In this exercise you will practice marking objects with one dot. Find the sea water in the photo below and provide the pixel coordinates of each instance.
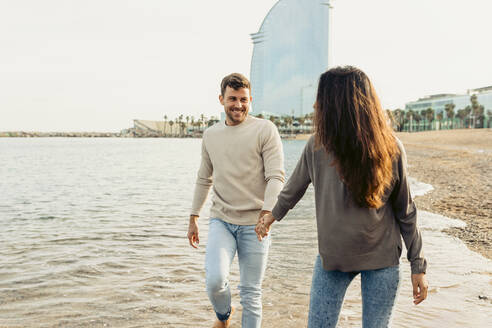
(93, 234)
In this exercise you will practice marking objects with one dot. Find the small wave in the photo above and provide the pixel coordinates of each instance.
(432, 221)
(48, 217)
(85, 271)
(418, 188)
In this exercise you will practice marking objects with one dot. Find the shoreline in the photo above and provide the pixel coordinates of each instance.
(457, 164)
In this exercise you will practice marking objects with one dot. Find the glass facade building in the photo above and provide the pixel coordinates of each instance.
(438, 102)
(291, 50)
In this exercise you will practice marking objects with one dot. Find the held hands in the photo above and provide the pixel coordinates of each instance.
(420, 287)
(193, 231)
(263, 225)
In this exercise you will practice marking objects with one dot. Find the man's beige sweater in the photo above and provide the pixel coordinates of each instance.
(244, 165)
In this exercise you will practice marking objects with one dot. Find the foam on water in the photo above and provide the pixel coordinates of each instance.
(418, 188)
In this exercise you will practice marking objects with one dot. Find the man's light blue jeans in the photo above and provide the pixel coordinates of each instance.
(224, 240)
(379, 290)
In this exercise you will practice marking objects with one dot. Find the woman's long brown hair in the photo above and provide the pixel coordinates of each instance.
(350, 124)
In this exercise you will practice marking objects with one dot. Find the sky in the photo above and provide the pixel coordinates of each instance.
(95, 65)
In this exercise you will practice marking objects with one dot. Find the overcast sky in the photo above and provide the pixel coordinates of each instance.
(95, 65)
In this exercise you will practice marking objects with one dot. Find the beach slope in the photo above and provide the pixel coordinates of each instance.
(458, 164)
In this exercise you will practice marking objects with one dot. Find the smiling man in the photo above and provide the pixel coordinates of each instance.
(242, 159)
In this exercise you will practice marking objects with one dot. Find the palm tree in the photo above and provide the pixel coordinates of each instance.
(176, 120)
(288, 122)
(301, 122)
(428, 114)
(463, 113)
(417, 117)
(390, 119)
(165, 120)
(399, 117)
(410, 117)
(187, 121)
(477, 110)
(309, 120)
(202, 120)
(171, 123)
(449, 108)
(180, 120)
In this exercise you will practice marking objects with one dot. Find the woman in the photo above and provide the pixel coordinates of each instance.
(363, 202)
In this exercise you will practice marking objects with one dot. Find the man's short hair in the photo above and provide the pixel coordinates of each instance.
(235, 81)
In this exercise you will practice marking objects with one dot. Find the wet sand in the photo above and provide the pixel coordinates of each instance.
(458, 164)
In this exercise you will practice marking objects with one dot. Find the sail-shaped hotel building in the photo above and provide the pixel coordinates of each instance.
(291, 50)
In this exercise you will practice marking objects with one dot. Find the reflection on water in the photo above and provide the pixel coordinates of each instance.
(93, 234)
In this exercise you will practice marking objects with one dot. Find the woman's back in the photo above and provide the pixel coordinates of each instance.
(352, 237)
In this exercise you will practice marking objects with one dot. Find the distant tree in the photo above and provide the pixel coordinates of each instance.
(288, 122)
(449, 108)
(417, 117)
(177, 121)
(301, 122)
(165, 120)
(212, 121)
(410, 117)
(389, 118)
(309, 120)
(477, 110)
(428, 114)
(399, 117)
(463, 113)
(171, 123)
(202, 120)
(260, 115)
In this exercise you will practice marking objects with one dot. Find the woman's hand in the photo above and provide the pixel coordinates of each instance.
(420, 287)
(263, 226)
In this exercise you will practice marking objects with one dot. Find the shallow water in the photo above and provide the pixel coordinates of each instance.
(93, 234)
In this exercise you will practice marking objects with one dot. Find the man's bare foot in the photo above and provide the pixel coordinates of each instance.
(224, 324)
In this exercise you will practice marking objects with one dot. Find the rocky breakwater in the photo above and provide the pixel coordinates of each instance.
(22, 134)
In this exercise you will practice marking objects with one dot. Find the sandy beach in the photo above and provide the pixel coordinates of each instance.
(457, 163)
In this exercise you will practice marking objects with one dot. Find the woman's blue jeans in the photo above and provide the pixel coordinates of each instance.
(224, 240)
(379, 290)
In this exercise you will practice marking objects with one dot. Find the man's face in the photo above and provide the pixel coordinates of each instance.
(236, 104)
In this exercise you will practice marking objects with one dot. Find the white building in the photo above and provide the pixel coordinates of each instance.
(439, 101)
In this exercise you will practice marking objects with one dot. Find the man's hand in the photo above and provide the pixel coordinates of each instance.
(263, 226)
(420, 286)
(193, 231)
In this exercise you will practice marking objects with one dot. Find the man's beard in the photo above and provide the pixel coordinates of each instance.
(230, 115)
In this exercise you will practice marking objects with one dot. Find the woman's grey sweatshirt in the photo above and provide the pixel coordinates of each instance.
(353, 238)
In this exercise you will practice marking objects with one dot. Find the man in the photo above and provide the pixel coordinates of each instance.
(242, 159)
